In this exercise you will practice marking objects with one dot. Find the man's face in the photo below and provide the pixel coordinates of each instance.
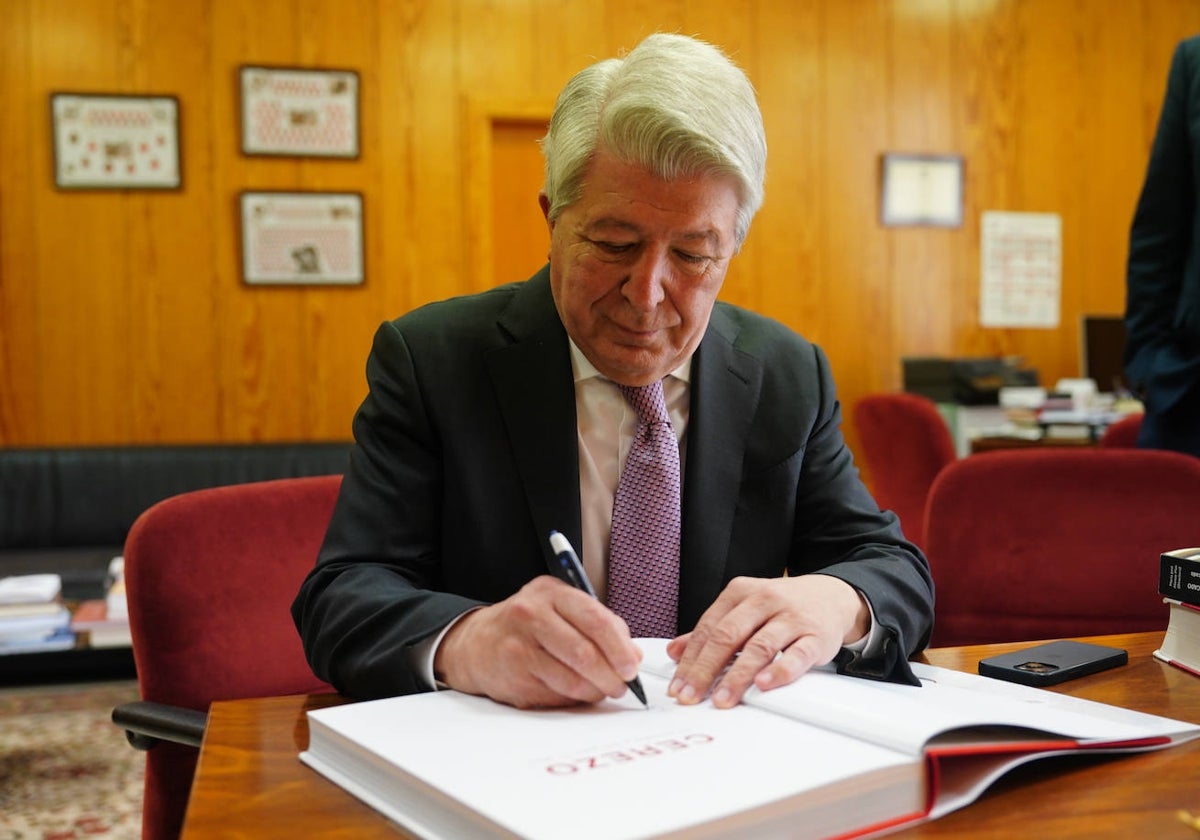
(636, 264)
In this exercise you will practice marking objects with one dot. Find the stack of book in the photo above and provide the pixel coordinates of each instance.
(1179, 584)
(104, 622)
(33, 617)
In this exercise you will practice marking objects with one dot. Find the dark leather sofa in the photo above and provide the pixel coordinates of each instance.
(68, 510)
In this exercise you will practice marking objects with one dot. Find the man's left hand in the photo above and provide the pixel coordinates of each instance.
(778, 628)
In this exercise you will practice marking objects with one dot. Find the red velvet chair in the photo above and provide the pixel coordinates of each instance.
(1123, 433)
(905, 443)
(210, 576)
(1055, 542)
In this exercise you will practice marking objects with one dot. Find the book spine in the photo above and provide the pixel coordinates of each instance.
(1179, 575)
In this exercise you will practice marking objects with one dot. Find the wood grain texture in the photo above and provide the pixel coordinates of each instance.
(123, 317)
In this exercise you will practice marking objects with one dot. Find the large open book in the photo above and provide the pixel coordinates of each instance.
(826, 756)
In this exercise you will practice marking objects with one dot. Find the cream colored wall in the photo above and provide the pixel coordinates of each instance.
(123, 319)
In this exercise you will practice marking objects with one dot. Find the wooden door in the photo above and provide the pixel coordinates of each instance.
(520, 240)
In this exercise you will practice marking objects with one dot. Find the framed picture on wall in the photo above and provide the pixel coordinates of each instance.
(305, 238)
(299, 112)
(921, 190)
(115, 141)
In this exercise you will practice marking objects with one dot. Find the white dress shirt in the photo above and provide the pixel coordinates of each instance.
(607, 424)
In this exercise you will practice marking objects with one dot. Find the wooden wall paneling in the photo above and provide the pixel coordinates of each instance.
(923, 116)
(123, 316)
(233, 43)
(339, 36)
(281, 369)
(411, 221)
(995, 45)
(565, 38)
(336, 35)
(856, 326)
(737, 36)
(346, 36)
(413, 175)
(1109, 156)
(431, 168)
(259, 325)
(629, 21)
(19, 180)
(170, 373)
(1050, 131)
(790, 276)
(339, 325)
(80, 254)
(287, 376)
(494, 41)
(987, 60)
(348, 322)
(496, 116)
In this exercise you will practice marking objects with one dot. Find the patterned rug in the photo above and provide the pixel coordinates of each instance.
(65, 771)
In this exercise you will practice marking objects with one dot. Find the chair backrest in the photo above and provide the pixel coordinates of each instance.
(210, 576)
(905, 443)
(1053, 542)
(1123, 433)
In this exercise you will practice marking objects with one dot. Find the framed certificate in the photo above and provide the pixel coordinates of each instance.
(299, 112)
(921, 190)
(117, 142)
(306, 238)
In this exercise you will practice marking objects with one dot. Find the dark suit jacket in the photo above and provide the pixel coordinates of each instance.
(1162, 311)
(466, 457)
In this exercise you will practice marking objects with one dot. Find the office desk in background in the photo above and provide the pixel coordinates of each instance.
(250, 782)
(991, 443)
(982, 428)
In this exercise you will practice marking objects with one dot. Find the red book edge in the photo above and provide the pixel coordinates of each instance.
(1175, 663)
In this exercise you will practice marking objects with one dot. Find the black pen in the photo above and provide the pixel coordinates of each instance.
(566, 567)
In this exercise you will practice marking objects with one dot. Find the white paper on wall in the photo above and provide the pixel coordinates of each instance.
(1020, 269)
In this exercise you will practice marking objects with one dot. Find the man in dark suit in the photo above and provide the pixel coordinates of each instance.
(496, 418)
(1162, 308)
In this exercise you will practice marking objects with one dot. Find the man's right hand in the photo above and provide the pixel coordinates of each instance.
(547, 645)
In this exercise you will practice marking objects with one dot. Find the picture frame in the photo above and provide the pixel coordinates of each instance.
(301, 238)
(299, 112)
(921, 190)
(110, 141)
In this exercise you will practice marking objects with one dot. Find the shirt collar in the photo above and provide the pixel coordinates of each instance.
(584, 369)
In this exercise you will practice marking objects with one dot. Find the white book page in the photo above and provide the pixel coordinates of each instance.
(548, 773)
(907, 718)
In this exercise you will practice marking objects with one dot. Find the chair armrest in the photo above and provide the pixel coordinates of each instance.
(146, 723)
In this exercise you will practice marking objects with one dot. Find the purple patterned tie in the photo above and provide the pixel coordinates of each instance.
(643, 563)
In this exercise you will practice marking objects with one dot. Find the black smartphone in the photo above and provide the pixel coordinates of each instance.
(1052, 662)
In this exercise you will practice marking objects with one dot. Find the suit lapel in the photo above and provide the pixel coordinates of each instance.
(724, 390)
(536, 394)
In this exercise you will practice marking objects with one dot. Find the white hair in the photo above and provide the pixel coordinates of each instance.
(675, 106)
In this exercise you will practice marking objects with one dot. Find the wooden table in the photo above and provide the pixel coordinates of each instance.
(250, 783)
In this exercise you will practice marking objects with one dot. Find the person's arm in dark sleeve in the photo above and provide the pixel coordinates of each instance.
(1161, 230)
(844, 534)
(371, 599)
